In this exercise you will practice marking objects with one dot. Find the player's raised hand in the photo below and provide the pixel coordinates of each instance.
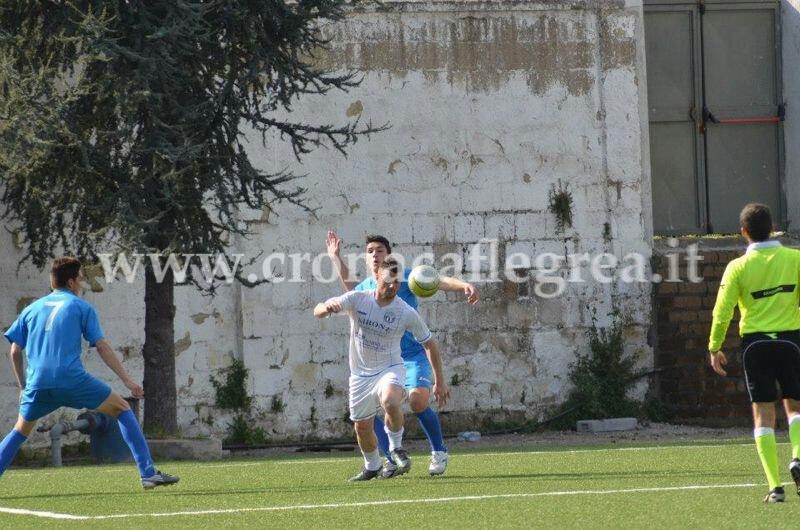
(471, 293)
(441, 393)
(333, 243)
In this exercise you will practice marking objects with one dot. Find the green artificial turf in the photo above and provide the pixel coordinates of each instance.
(668, 486)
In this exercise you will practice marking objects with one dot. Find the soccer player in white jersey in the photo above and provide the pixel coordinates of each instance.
(378, 320)
(418, 369)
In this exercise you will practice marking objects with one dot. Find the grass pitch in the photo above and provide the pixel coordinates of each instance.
(646, 486)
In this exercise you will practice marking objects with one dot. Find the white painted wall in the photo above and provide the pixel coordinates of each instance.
(491, 104)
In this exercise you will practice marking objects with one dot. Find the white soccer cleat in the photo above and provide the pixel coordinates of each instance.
(438, 463)
(403, 461)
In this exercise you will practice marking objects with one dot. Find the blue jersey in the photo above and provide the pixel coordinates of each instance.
(50, 331)
(408, 344)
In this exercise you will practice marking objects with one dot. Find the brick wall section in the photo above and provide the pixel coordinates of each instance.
(685, 382)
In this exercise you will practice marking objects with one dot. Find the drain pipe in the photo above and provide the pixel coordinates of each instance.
(85, 423)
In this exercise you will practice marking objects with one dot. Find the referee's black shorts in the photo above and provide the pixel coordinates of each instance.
(766, 360)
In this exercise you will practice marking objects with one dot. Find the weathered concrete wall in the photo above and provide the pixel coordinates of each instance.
(790, 32)
(492, 105)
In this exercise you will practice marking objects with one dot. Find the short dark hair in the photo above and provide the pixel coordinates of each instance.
(757, 220)
(64, 269)
(374, 238)
(391, 266)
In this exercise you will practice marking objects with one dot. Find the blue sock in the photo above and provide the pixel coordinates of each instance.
(383, 438)
(133, 436)
(9, 447)
(429, 421)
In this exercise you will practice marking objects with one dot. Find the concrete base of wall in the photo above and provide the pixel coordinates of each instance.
(182, 449)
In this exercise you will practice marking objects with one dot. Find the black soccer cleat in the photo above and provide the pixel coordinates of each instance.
(365, 474)
(794, 469)
(159, 479)
(776, 495)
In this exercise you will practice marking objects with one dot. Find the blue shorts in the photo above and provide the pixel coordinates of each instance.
(419, 373)
(89, 393)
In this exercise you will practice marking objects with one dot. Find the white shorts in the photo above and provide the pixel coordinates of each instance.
(365, 392)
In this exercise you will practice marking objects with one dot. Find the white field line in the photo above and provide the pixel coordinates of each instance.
(54, 515)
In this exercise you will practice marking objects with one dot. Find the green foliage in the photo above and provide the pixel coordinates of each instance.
(329, 390)
(561, 205)
(601, 380)
(126, 120)
(232, 393)
(277, 404)
(241, 432)
(607, 232)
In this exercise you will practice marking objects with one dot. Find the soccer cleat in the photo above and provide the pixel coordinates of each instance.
(365, 474)
(159, 479)
(400, 456)
(776, 495)
(389, 470)
(794, 469)
(438, 463)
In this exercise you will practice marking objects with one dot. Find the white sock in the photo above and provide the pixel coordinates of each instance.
(395, 438)
(372, 460)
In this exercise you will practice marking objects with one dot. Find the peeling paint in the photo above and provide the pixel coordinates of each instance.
(355, 109)
(95, 277)
(129, 351)
(24, 302)
(183, 344)
(393, 166)
(200, 318)
(439, 162)
(480, 52)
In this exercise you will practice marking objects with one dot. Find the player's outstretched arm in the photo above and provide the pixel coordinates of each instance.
(440, 390)
(17, 364)
(110, 358)
(333, 243)
(324, 309)
(448, 283)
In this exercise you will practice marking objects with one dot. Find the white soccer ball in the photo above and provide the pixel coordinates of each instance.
(423, 281)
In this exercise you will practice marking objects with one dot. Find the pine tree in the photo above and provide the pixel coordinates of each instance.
(121, 123)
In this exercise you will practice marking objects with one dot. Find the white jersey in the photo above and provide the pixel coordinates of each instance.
(375, 331)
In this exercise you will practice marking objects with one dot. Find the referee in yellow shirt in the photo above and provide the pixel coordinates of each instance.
(764, 284)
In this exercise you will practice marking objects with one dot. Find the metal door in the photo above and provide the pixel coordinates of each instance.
(735, 145)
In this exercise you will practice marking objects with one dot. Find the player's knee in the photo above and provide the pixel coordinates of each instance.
(114, 405)
(418, 401)
(362, 427)
(24, 427)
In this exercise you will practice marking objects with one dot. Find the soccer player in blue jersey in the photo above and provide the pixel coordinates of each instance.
(418, 369)
(49, 333)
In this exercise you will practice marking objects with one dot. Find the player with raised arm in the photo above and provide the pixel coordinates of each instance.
(418, 369)
(49, 333)
(378, 320)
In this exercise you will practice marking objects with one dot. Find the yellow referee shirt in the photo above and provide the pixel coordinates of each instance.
(764, 283)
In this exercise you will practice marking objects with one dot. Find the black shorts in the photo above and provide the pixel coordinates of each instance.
(766, 360)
